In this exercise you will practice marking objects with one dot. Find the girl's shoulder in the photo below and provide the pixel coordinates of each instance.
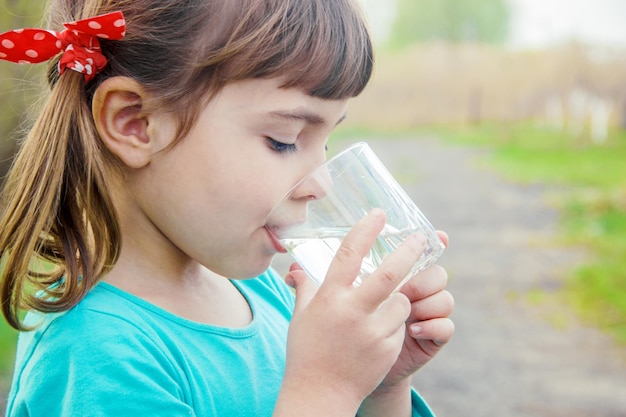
(103, 322)
(93, 344)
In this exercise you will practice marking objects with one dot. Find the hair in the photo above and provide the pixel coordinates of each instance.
(59, 232)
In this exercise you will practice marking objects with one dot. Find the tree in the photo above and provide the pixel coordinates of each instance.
(450, 20)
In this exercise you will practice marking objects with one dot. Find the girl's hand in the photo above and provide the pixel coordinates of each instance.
(343, 340)
(428, 329)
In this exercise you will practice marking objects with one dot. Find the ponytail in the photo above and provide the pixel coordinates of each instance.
(58, 229)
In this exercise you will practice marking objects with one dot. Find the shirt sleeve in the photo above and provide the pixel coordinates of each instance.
(419, 406)
(115, 370)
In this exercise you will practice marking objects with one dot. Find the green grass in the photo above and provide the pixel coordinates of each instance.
(590, 184)
(8, 337)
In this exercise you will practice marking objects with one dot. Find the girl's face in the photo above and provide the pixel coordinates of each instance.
(208, 197)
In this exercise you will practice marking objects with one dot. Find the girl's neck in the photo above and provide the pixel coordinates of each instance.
(193, 293)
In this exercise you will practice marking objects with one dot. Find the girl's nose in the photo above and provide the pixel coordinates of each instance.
(314, 186)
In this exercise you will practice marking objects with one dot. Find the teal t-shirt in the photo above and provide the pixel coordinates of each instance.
(115, 354)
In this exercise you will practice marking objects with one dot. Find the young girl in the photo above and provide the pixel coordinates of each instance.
(133, 226)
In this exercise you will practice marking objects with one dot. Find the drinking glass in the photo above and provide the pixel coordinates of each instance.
(312, 219)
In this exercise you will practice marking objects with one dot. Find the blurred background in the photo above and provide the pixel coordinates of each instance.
(528, 92)
(508, 122)
(555, 61)
(541, 84)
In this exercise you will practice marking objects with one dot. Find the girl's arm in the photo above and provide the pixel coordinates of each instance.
(392, 402)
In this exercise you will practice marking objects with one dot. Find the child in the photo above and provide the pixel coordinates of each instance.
(133, 229)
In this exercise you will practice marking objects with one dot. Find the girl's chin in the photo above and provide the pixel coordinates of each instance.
(253, 268)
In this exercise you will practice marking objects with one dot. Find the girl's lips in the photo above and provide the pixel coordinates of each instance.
(279, 248)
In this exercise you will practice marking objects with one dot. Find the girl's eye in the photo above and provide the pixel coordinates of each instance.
(281, 147)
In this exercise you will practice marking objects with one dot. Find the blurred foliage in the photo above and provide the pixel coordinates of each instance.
(8, 338)
(450, 20)
(19, 84)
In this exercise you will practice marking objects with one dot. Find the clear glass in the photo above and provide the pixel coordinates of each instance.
(311, 221)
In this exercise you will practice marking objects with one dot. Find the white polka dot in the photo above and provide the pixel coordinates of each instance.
(88, 69)
(119, 23)
(31, 53)
(3, 55)
(90, 61)
(95, 25)
(39, 36)
(102, 35)
(23, 61)
(18, 30)
(8, 44)
(59, 44)
(70, 47)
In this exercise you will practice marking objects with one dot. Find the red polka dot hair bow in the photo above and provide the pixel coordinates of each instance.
(78, 42)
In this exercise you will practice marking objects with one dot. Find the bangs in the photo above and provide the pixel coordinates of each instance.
(320, 46)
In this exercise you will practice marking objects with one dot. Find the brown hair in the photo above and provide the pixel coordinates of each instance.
(58, 228)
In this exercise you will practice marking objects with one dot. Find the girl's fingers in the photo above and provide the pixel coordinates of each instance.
(386, 279)
(346, 264)
(428, 282)
(439, 331)
(444, 237)
(393, 313)
(439, 305)
(304, 287)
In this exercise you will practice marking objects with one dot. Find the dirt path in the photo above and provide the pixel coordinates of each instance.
(507, 358)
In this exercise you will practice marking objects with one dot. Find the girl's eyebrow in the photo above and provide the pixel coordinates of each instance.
(303, 116)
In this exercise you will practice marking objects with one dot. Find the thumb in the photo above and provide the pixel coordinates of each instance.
(305, 288)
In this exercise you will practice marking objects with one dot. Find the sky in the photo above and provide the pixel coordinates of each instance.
(541, 22)
(538, 23)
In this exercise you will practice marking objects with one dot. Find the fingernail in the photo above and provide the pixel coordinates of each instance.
(377, 213)
(415, 329)
(417, 241)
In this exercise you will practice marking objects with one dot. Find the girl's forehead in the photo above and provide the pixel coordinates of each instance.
(267, 99)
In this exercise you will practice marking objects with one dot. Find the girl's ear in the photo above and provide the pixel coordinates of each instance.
(124, 125)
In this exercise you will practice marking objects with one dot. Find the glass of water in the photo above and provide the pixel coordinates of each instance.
(311, 221)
